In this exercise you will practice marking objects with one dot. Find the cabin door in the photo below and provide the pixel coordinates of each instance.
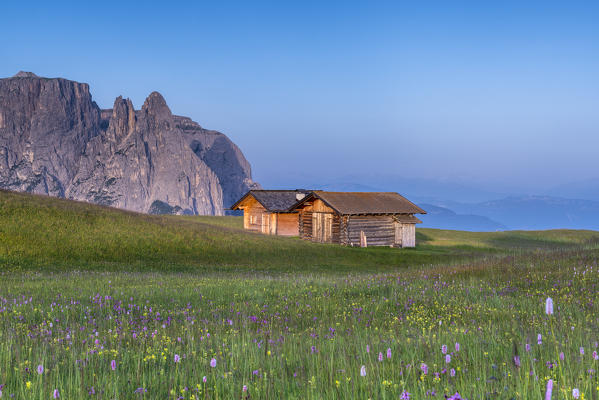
(265, 228)
(322, 227)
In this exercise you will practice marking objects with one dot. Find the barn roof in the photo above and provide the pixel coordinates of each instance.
(273, 200)
(352, 203)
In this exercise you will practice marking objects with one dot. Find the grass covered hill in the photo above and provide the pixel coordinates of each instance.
(44, 232)
(102, 303)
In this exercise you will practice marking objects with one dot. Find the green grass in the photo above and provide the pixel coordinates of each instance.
(82, 285)
(41, 232)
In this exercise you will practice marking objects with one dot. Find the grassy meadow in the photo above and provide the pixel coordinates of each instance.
(101, 303)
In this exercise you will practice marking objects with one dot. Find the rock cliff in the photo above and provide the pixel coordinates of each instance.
(55, 140)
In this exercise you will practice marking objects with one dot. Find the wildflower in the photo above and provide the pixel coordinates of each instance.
(549, 389)
(389, 352)
(527, 347)
(582, 351)
(539, 339)
(595, 356)
(424, 368)
(457, 347)
(141, 390)
(561, 356)
(56, 395)
(380, 356)
(405, 395)
(204, 379)
(313, 349)
(452, 372)
(113, 364)
(28, 384)
(368, 348)
(363, 370)
(517, 361)
(213, 362)
(456, 396)
(177, 358)
(244, 388)
(549, 306)
(575, 393)
(447, 359)
(444, 349)
(40, 369)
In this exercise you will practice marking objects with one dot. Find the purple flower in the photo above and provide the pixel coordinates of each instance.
(363, 370)
(389, 352)
(213, 362)
(456, 396)
(405, 395)
(141, 390)
(380, 356)
(517, 361)
(595, 356)
(582, 351)
(444, 349)
(424, 368)
(539, 339)
(452, 372)
(40, 369)
(56, 395)
(177, 358)
(549, 306)
(561, 356)
(549, 389)
(457, 347)
(575, 393)
(368, 348)
(447, 359)
(113, 365)
(244, 388)
(527, 347)
(204, 379)
(313, 349)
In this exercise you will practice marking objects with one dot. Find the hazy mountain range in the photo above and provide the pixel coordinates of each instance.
(466, 207)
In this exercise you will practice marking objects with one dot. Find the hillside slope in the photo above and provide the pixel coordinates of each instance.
(44, 232)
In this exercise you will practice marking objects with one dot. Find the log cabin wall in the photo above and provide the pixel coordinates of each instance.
(253, 214)
(379, 230)
(287, 224)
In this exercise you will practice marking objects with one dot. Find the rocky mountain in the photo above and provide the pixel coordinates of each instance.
(55, 140)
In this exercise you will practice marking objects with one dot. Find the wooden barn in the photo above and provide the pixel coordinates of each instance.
(358, 218)
(268, 211)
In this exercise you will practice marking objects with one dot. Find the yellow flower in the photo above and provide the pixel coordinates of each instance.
(28, 384)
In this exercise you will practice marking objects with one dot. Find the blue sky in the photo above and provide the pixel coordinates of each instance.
(503, 95)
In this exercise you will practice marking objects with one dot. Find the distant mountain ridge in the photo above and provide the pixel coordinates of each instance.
(55, 140)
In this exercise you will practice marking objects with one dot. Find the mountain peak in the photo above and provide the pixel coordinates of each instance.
(25, 74)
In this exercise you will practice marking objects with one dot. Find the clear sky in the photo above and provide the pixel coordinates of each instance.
(503, 94)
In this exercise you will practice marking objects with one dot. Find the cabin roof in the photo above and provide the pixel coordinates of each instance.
(352, 203)
(273, 200)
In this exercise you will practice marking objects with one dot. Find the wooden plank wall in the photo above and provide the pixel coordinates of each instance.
(408, 235)
(287, 224)
(306, 225)
(379, 230)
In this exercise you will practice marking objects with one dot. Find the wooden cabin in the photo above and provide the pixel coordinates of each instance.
(267, 211)
(358, 218)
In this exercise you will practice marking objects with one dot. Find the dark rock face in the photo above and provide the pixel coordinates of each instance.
(55, 140)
